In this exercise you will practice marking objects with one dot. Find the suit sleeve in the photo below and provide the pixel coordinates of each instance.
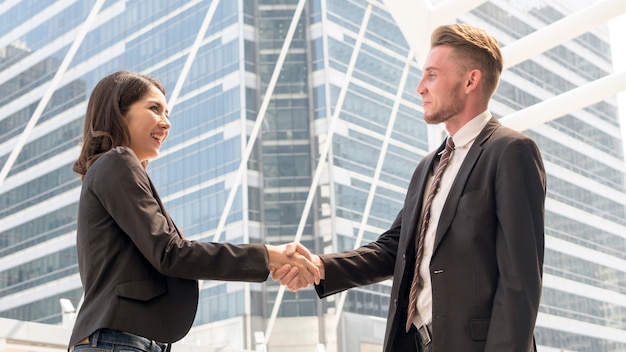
(366, 265)
(520, 194)
(122, 186)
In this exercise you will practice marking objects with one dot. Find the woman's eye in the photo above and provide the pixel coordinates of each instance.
(155, 109)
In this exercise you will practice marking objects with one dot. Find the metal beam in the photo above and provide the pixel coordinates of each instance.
(412, 18)
(448, 11)
(81, 32)
(564, 29)
(382, 155)
(243, 164)
(417, 19)
(255, 131)
(566, 103)
(193, 52)
(324, 152)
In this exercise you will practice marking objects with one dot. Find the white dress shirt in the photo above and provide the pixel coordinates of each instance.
(463, 140)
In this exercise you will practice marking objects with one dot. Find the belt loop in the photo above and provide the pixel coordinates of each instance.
(427, 336)
(93, 339)
(423, 336)
(164, 347)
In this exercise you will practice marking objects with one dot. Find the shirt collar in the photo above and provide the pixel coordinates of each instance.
(468, 133)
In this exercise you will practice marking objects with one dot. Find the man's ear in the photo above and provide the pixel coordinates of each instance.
(474, 78)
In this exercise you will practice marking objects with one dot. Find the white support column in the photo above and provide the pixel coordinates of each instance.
(617, 28)
(413, 19)
(449, 10)
(417, 19)
(243, 165)
(52, 86)
(375, 179)
(323, 154)
(566, 28)
(567, 102)
(193, 51)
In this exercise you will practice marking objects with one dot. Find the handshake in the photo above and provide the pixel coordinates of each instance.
(294, 266)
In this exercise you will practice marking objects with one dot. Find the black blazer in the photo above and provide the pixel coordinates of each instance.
(138, 273)
(487, 261)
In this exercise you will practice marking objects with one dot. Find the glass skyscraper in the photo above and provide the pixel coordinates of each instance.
(293, 118)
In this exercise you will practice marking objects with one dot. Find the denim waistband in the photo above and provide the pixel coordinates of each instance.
(114, 337)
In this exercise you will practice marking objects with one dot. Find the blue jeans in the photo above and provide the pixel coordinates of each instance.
(117, 341)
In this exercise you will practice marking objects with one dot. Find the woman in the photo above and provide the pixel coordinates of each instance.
(138, 272)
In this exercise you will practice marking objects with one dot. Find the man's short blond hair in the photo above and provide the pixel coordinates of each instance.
(475, 49)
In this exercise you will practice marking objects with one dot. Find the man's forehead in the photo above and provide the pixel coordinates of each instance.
(437, 57)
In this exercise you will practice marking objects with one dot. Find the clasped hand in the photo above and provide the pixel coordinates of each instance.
(294, 266)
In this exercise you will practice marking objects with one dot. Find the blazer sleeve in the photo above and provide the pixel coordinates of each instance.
(122, 186)
(365, 265)
(520, 194)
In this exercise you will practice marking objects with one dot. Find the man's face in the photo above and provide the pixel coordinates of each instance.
(441, 87)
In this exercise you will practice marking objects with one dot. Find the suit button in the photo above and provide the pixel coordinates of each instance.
(395, 303)
(404, 257)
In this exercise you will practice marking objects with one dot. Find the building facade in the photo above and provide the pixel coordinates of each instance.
(294, 120)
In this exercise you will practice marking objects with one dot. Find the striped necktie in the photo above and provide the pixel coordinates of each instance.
(443, 162)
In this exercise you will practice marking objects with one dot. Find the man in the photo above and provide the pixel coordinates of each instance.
(478, 282)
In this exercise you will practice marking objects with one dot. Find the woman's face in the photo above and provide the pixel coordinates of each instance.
(148, 124)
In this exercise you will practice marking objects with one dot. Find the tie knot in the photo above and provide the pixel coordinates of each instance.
(449, 145)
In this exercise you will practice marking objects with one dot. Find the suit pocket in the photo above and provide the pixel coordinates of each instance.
(143, 290)
(479, 329)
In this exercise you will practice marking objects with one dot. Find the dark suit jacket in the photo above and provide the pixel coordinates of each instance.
(138, 273)
(487, 261)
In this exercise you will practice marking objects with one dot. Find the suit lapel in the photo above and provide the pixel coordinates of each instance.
(450, 207)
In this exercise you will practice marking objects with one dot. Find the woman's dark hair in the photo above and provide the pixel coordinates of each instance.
(105, 126)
